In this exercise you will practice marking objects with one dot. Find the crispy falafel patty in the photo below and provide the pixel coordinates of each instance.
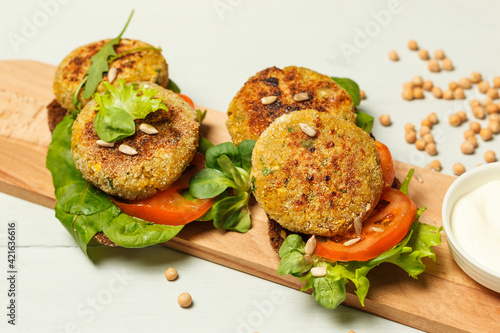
(161, 157)
(248, 116)
(143, 65)
(316, 184)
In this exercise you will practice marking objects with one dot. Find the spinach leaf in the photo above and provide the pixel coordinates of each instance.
(246, 148)
(226, 148)
(172, 86)
(99, 62)
(209, 183)
(203, 145)
(112, 124)
(351, 87)
(364, 121)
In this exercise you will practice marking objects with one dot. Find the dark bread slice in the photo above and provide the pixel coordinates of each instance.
(56, 113)
(277, 233)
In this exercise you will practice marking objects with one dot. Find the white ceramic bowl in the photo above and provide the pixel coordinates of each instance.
(464, 184)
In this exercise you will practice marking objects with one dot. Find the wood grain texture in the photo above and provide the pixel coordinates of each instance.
(443, 299)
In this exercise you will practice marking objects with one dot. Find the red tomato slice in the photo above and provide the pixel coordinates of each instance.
(386, 227)
(187, 99)
(388, 167)
(169, 207)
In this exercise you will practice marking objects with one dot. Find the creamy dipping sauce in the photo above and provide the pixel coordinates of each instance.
(475, 222)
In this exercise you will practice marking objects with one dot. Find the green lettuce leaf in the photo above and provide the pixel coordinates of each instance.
(351, 87)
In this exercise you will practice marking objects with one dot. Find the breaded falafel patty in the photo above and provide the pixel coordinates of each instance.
(248, 116)
(144, 65)
(316, 182)
(161, 157)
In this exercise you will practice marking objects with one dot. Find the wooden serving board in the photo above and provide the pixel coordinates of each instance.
(443, 299)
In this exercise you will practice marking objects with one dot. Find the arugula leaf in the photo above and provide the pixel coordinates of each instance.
(364, 121)
(113, 58)
(77, 107)
(351, 87)
(406, 181)
(226, 148)
(209, 183)
(99, 63)
(172, 86)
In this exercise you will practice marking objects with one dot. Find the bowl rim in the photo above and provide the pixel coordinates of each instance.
(445, 211)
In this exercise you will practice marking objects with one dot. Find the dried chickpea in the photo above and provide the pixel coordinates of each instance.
(417, 81)
(428, 138)
(458, 93)
(494, 126)
(475, 77)
(475, 127)
(385, 120)
(412, 45)
(437, 92)
(490, 156)
(424, 130)
(447, 64)
(439, 54)
(420, 144)
(427, 86)
(467, 148)
(431, 149)
(433, 65)
(469, 133)
(418, 93)
(487, 100)
(496, 82)
(426, 122)
(492, 93)
(393, 55)
(362, 94)
(171, 274)
(436, 165)
(409, 127)
(465, 83)
(494, 117)
(498, 104)
(474, 103)
(479, 112)
(454, 120)
(433, 118)
(462, 115)
(483, 86)
(492, 108)
(407, 94)
(448, 94)
(472, 140)
(423, 54)
(458, 169)
(452, 85)
(486, 134)
(184, 300)
(408, 85)
(411, 136)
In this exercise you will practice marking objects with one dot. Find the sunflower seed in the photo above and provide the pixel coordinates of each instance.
(377, 229)
(308, 258)
(358, 225)
(145, 86)
(318, 271)
(126, 149)
(301, 97)
(417, 176)
(148, 129)
(352, 241)
(308, 130)
(268, 100)
(103, 143)
(310, 245)
(112, 74)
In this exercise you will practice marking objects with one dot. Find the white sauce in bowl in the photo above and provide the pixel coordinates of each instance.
(475, 222)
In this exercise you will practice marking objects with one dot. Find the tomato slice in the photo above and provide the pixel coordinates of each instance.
(169, 207)
(187, 99)
(386, 227)
(388, 166)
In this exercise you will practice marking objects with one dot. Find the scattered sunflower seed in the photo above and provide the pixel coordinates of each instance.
(103, 143)
(377, 229)
(308, 130)
(352, 241)
(417, 176)
(112, 74)
(308, 258)
(268, 100)
(318, 271)
(310, 245)
(301, 97)
(358, 225)
(148, 129)
(127, 150)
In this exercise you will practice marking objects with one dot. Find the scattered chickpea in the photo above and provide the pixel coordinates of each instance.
(410, 136)
(417, 81)
(458, 169)
(483, 86)
(424, 130)
(492, 93)
(472, 140)
(433, 118)
(490, 156)
(492, 108)
(498, 104)
(418, 93)
(475, 127)
(184, 300)
(408, 85)
(439, 54)
(433, 65)
(447, 64)
(486, 134)
(409, 127)
(428, 138)
(407, 94)
(420, 144)
(494, 126)
(467, 148)
(462, 115)
(465, 83)
(452, 85)
(487, 100)
(385, 120)
(436, 165)
(437, 92)
(431, 149)
(448, 94)
(458, 93)
(475, 77)
(496, 82)
(393, 55)
(479, 112)
(362, 94)
(423, 54)
(427, 86)
(171, 274)
(494, 117)
(454, 120)
(474, 103)
(469, 133)
(412, 45)
(426, 122)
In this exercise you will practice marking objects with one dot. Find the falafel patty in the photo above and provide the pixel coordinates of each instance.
(316, 184)
(143, 65)
(161, 157)
(248, 117)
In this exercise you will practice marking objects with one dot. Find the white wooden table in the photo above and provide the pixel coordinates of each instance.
(212, 47)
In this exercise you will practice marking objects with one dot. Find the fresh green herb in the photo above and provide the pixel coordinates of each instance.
(267, 171)
(351, 87)
(77, 107)
(226, 166)
(119, 106)
(406, 182)
(137, 49)
(364, 121)
(290, 129)
(99, 63)
(201, 115)
(172, 86)
(308, 143)
(85, 210)
(203, 145)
